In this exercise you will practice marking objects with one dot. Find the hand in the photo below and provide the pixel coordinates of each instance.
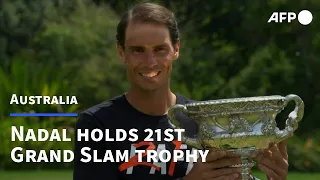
(215, 168)
(274, 162)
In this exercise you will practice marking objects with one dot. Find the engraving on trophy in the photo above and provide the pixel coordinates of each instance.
(241, 126)
(268, 125)
(206, 132)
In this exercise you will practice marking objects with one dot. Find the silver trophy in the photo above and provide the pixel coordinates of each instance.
(241, 126)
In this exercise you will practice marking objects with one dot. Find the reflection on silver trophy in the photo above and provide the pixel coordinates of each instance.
(242, 126)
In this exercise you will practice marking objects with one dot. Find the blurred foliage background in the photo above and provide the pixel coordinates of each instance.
(68, 47)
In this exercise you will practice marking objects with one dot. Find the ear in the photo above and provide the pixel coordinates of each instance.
(121, 53)
(176, 48)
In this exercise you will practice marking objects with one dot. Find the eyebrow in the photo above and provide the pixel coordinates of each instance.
(161, 46)
(135, 47)
(142, 47)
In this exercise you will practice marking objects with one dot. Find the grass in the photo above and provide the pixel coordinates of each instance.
(67, 175)
(35, 175)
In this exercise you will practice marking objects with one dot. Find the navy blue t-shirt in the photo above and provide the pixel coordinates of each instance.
(117, 113)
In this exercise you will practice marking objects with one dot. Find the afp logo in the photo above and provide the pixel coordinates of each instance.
(304, 17)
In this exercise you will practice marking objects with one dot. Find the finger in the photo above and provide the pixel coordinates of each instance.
(227, 177)
(215, 155)
(283, 149)
(225, 162)
(277, 156)
(224, 171)
(272, 165)
(260, 153)
(265, 154)
(269, 172)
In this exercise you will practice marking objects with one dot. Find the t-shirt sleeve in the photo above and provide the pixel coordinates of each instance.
(91, 170)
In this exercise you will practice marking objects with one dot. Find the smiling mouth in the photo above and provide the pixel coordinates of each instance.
(150, 74)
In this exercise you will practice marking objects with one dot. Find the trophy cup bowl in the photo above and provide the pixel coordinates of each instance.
(241, 126)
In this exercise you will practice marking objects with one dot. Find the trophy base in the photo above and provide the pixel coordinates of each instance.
(246, 164)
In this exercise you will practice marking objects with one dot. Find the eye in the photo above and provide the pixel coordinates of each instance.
(159, 49)
(137, 50)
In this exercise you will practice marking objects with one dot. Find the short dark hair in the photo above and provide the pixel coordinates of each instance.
(150, 13)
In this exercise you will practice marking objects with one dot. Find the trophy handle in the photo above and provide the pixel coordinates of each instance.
(176, 124)
(293, 119)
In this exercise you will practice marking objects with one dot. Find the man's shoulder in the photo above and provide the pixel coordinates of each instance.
(182, 99)
(105, 109)
(105, 106)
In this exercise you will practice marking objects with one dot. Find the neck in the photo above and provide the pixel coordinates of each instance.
(155, 102)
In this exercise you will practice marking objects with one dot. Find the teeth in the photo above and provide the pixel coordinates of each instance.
(152, 74)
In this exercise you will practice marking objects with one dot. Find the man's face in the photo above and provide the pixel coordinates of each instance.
(149, 55)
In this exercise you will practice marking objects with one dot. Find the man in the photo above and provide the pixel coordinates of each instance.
(148, 44)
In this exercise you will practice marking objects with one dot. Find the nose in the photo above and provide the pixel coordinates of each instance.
(151, 60)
